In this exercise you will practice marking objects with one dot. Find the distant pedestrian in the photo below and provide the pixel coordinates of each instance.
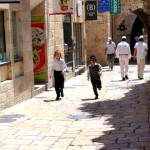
(58, 68)
(94, 73)
(110, 51)
(136, 38)
(140, 51)
(124, 54)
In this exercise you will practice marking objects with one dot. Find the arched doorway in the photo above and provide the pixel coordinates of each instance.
(137, 30)
(136, 18)
(144, 18)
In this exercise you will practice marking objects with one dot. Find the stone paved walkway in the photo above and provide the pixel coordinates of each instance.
(118, 120)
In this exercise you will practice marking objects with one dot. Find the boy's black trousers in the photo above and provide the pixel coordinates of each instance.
(59, 82)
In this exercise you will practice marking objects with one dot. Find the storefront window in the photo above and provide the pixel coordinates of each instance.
(3, 56)
(68, 47)
(78, 44)
(15, 35)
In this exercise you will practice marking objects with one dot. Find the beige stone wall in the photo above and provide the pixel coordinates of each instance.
(25, 80)
(97, 32)
(17, 84)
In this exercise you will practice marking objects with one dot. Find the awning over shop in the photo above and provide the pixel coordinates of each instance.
(34, 3)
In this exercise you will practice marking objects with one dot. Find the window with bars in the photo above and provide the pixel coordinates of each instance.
(3, 54)
(78, 44)
(68, 46)
(15, 35)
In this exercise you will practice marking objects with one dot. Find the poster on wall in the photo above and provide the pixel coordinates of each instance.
(103, 5)
(91, 10)
(38, 48)
(9, 1)
(62, 6)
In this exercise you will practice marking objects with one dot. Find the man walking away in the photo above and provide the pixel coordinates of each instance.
(140, 51)
(124, 54)
(110, 51)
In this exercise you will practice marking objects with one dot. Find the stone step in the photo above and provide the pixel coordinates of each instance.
(39, 88)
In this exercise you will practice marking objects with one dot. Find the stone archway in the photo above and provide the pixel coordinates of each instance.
(145, 18)
(137, 30)
(131, 11)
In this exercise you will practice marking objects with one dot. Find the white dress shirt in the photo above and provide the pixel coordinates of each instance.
(141, 48)
(58, 65)
(123, 48)
(110, 47)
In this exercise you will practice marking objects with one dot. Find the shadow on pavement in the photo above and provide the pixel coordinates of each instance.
(10, 118)
(125, 121)
(88, 99)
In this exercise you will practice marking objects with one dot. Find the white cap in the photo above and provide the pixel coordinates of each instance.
(141, 37)
(124, 37)
(109, 38)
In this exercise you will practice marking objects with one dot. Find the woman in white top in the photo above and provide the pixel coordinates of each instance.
(58, 68)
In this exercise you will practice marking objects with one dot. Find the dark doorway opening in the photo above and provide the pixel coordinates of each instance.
(136, 29)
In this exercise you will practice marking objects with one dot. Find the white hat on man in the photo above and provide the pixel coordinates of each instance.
(109, 39)
(124, 37)
(141, 37)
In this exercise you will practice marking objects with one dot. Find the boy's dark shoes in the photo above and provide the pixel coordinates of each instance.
(57, 98)
(123, 79)
(62, 94)
(96, 97)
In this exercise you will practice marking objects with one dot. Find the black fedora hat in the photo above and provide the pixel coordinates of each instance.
(92, 57)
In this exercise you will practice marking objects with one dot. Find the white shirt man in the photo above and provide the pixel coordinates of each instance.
(124, 54)
(140, 51)
(110, 51)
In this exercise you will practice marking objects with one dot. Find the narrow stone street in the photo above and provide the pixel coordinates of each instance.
(118, 120)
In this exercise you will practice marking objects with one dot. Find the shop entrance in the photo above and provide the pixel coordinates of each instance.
(137, 30)
(142, 23)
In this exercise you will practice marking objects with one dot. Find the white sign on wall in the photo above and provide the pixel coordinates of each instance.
(79, 7)
(62, 6)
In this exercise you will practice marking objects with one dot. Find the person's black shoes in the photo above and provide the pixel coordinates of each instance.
(62, 94)
(57, 98)
(140, 78)
(126, 77)
(123, 79)
(96, 97)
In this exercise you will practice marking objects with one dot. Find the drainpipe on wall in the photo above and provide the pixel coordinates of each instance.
(73, 38)
(47, 42)
(112, 29)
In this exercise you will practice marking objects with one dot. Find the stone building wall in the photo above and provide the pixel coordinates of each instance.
(16, 76)
(97, 33)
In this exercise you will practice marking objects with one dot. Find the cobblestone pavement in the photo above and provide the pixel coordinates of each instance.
(118, 120)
